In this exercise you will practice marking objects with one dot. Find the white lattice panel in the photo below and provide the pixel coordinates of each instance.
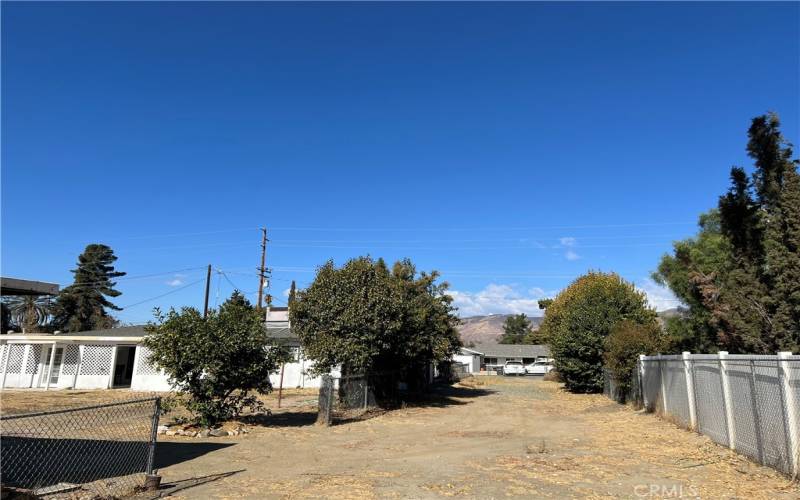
(33, 359)
(15, 358)
(3, 357)
(97, 360)
(145, 367)
(70, 363)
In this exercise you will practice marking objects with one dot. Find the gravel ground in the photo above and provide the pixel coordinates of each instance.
(492, 437)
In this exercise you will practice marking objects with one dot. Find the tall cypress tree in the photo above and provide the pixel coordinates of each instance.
(82, 305)
(292, 294)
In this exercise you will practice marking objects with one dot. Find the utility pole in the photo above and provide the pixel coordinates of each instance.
(262, 270)
(208, 286)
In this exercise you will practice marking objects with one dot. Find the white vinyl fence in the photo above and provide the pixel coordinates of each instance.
(749, 403)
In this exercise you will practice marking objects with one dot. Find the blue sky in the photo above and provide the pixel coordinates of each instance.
(511, 146)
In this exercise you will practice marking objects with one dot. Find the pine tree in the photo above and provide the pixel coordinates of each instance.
(82, 305)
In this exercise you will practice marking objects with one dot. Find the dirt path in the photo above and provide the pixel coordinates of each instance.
(511, 437)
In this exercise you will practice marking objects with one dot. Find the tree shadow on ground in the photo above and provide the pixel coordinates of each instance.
(32, 462)
(174, 452)
(438, 396)
(282, 419)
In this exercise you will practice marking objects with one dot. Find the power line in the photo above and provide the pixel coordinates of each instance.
(163, 294)
(128, 278)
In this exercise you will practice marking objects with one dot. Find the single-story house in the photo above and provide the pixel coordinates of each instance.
(111, 358)
(97, 359)
(487, 357)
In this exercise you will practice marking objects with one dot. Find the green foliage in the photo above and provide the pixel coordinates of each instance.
(517, 329)
(219, 361)
(366, 319)
(740, 277)
(580, 318)
(624, 345)
(545, 303)
(82, 305)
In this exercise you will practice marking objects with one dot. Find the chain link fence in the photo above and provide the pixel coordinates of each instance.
(349, 396)
(100, 451)
(749, 403)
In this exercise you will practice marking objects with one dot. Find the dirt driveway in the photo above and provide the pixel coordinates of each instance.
(507, 437)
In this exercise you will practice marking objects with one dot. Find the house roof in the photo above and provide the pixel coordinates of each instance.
(16, 286)
(121, 331)
(512, 350)
(121, 335)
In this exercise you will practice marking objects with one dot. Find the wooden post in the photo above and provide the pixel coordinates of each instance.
(280, 386)
(208, 287)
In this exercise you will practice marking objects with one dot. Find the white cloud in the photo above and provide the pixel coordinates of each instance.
(571, 255)
(568, 241)
(176, 281)
(286, 292)
(498, 299)
(658, 296)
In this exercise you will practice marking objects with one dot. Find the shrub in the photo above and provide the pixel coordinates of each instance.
(624, 345)
(218, 361)
(581, 317)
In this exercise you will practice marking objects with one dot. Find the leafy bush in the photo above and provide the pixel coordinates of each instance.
(579, 319)
(622, 348)
(218, 361)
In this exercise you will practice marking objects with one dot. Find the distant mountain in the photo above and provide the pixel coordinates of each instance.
(489, 329)
(486, 329)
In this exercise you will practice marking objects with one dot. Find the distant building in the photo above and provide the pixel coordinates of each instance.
(488, 357)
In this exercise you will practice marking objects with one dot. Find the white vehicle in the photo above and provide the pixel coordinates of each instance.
(513, 368)
(539, 367)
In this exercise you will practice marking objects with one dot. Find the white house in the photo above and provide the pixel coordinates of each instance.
(98, 359)
(489, 357)
(112, 358)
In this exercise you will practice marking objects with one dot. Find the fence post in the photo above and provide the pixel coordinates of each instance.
(642, 393)
(688, 368)
(727, 399)
(790, 411)
(151, 452)
(663, 389)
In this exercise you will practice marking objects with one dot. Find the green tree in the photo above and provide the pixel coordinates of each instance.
(82, 305)
(29, 312)
(624, 345)
(366, 318)
(517, 329)
(580, 318)
(221, 362)
(741, 279)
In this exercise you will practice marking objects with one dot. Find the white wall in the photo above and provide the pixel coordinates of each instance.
(473, 362)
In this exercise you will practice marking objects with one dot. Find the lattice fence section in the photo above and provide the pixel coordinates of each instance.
(97, 359)
(145, 367)
(34, 355)
(71, 359)
(15, 358)
(3, 349)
